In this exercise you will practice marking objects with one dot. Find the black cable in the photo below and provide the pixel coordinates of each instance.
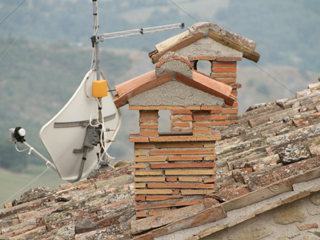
(23, 30)
(273, 78)
(12, 12)
(183, 11)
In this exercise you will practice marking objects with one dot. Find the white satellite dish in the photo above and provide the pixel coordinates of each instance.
(64, 135)
(78, 137)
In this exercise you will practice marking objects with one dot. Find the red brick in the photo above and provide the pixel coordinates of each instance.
(181, 152)
(149, 126)
(179, 185)
(181, 112)
(150, 159)
(153, 191)
(175, 118)
(196, 119)
(148, 120)
(148, 113)
(234, 105)
(231, 64)
(176, 191)
(162, 197)
(168, 204)
(190, 172)
(149, 179)
(180, 145)
(224, 70)
(229, 111)
(223, 75)
(143, 146)
(172, 179)
(185, 158)
(141, 214)
(182, 165)
(175, 57)
(176, 124)
(149, 133)
(209, 180)
(233, 117)
(186, 118)
(190, 179)
(201, 124)
(140, 198)
(139, 165)
(196, 192)
(219, 117)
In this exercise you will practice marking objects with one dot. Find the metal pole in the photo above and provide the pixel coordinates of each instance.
(40, 156)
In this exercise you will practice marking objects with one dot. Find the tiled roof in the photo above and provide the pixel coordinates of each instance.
(271, 158)
(149, 80)
(201, 30)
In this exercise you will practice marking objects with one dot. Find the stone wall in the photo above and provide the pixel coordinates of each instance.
(298, 221)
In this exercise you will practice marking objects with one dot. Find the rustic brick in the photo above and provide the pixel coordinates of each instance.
(209, 158)
(149, 126)
(138, 139)
(230, 64)
(148, 172)
(209, 145)
(175, 118)
(181, 112)
(181, 152)
(234, 92)
(180, 124)
(162, 197)
(179, 185)
(140, 185)
(201, 119)
(209, 180)
(199, 172)
(229, 111)
(143, 146)
(148, 113)
(140, 198)
(141, 214)
(307, 226)
(224, 70)
(153, 191)
(190, 179)
(176, 191)
(149, 179)
(182, 165)
(180, 145)
(139, 165)
(234, 105)
(223, 75)
(150, 159)
(201, 124)
(219, 117)
(196, 192)
(185, 158)
(148, 120)
(215, 135)
(186, 118)
(139, 153)
(172, 179)
(168, 204)
(149, 133)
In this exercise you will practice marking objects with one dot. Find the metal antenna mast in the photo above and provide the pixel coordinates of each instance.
(95, 39)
